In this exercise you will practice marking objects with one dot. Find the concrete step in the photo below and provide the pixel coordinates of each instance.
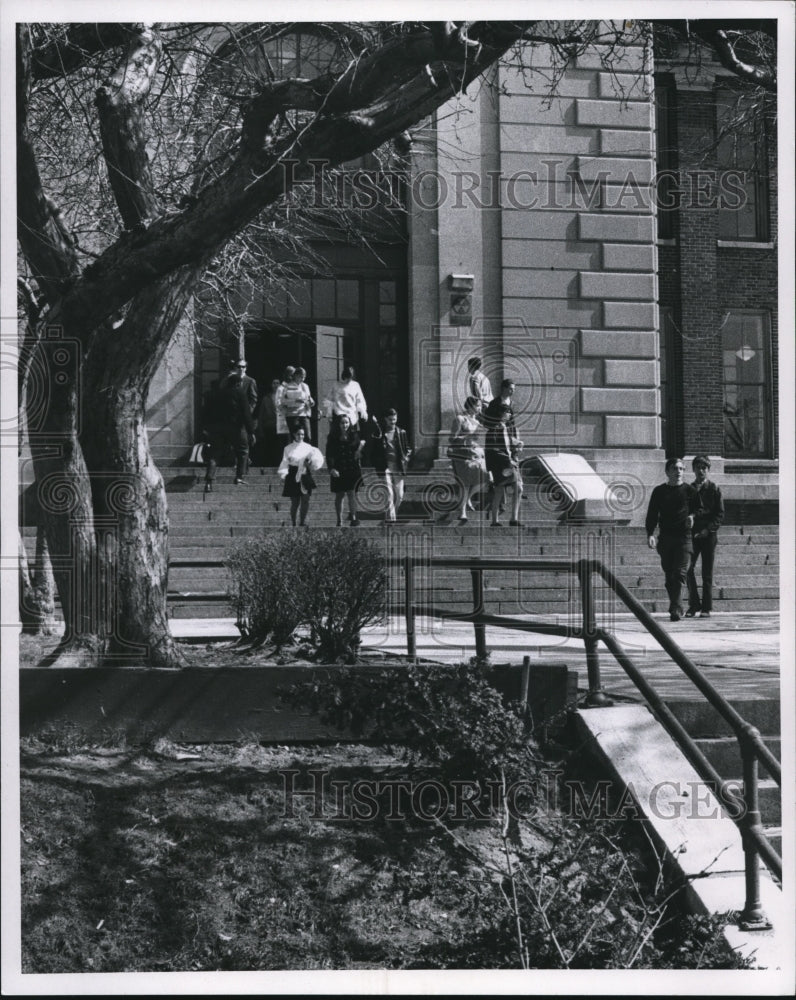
(724, 754)
(215, 549)
(259, 514)
(456, 589)
(194, 603)
(714, 737)
(702, 720)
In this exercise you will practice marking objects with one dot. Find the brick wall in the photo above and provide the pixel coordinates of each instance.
(700, 281)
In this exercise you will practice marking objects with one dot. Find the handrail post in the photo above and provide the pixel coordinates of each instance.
(596, 697)
(752, 917)
(481, 652)
(409, 607)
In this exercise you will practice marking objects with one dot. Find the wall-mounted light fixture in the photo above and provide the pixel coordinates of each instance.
(461, 298)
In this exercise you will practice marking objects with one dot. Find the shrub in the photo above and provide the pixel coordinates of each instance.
(447, 715)
(332, 582)
(264, 603)
(343, 588)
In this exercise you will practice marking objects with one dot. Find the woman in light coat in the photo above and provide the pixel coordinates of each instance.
(467, 455)
(296, 403)
(299, 461)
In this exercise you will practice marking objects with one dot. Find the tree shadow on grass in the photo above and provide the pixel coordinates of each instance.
(205, 870)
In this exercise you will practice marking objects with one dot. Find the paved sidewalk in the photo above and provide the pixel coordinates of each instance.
(739, 652)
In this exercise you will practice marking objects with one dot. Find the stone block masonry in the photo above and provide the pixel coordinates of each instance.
(601, 238)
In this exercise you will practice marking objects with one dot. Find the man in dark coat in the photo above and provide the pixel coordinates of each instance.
(708, 517)
(671, 510)
(227, 424)
(237, 374)
(241, 424)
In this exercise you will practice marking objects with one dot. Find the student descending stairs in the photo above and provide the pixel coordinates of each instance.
(203, 527)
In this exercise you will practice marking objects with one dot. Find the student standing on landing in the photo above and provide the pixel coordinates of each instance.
(671, 510)
(708, 517)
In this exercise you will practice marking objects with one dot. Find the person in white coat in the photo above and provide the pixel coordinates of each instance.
(346, 398)
(299, 461)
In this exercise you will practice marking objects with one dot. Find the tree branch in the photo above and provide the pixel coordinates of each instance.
(120, 108)
(56, 56)
(41, 230)
(725, 50)
(257, 178)
(715, 35)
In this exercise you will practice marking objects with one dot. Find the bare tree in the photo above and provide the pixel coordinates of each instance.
(151, 160)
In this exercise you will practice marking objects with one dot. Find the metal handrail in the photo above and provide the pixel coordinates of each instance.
(745, 811)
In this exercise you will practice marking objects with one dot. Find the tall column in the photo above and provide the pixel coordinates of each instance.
(579, 255)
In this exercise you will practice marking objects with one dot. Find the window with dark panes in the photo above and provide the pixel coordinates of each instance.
(743, 168)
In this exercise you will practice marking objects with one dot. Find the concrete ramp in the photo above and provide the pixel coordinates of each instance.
(687, 823)
(583, 494)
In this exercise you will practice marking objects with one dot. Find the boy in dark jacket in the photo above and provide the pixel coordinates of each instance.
(708, 517)
(390, 453)
(671, 510)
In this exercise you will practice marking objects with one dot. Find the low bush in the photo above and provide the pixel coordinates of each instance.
(333, 583)
(264, 602)
(566, 893)
(446, 715)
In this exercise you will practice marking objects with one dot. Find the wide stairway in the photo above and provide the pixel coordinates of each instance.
(204, 527)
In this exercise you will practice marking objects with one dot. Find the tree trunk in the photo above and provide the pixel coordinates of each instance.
(36, 589)
(64, 500)
(129, 498)
(132, 529)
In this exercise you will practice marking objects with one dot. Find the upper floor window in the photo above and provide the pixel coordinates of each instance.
(742, 158)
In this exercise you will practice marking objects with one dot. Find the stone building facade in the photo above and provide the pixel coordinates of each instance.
(532, 240)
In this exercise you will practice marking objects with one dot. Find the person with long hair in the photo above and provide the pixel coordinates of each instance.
(299, 461)
(296, 402)
(343, 450)
(466, 454)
